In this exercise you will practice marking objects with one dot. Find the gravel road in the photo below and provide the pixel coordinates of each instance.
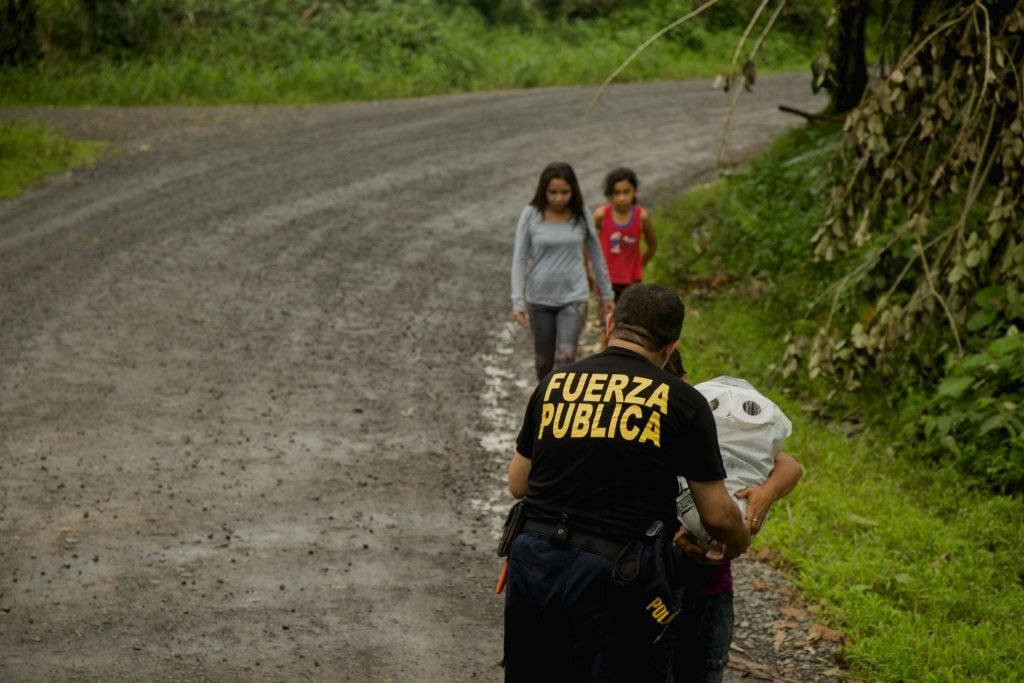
(258, 385)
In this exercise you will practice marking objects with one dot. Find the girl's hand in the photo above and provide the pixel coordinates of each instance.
(520, 317)
(607, 307)
(759, 502)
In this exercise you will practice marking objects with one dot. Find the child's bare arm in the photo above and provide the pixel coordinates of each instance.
(785, 475)
(650, 239)
(782, 480)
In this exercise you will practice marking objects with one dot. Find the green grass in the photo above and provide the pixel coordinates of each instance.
(498, 62)
(30, 151)
(262, 53)
(919, 568)
(387, 52)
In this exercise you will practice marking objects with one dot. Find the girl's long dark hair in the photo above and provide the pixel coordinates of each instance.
(562, 171)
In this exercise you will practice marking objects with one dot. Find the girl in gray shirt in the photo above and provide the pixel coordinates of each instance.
(549, 281)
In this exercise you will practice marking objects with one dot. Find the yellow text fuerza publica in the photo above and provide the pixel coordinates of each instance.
(603, 406)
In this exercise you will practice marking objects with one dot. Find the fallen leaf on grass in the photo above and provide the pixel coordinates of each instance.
(819, 631)
(780, 638)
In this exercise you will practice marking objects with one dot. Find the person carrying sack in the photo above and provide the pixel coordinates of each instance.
(591, 586)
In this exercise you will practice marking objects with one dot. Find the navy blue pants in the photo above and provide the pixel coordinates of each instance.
(567, 621)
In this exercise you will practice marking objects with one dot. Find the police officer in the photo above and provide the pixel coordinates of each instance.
(591, 571)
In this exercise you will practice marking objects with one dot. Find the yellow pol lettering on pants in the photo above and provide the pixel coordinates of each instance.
(660, 612)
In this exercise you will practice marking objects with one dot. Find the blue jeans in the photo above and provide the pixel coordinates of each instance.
(701, 637)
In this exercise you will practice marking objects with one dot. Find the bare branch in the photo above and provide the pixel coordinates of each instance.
(799, 112)
(753, 52)
(746, 34)
(643, 46)
(939, 298)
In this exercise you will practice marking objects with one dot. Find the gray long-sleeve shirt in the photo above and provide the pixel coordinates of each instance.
(553, 255)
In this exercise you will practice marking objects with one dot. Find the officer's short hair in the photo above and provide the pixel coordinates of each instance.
(648, 314)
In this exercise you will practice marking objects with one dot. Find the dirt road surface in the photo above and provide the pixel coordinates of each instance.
(258, 384)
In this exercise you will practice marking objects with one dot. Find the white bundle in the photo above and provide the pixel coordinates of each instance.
(751, 431)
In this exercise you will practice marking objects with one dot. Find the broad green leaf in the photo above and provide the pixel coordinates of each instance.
(1007, 344)
(990, 295)
(994, 422)
(981, 320)
(955, 386)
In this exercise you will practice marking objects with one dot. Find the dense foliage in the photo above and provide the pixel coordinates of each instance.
(200, 51)
(891, 552)
(924, 223)
(125, 28)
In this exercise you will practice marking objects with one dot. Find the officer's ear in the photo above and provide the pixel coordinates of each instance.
(667, 350)
(609, 323)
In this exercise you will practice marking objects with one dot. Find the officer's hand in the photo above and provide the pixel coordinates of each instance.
(687, 545)
(520, 317)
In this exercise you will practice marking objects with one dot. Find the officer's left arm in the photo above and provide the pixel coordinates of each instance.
(519, 475)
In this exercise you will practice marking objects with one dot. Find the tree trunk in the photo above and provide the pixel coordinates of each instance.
(849, 60)
(18, 41)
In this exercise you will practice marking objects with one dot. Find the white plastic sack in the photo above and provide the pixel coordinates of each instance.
(752, 429)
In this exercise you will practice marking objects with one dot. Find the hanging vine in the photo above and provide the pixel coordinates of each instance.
(926, 216)
(942, 130)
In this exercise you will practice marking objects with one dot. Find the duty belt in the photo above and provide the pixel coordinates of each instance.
(581, 539)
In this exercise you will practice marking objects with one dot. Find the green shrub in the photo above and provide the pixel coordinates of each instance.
(975, 416)
(920, 569)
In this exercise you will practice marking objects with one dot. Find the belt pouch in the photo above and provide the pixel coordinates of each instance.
(513, 523)
(561, 535)
(627, 564)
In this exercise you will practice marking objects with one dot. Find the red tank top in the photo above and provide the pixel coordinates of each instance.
(621, 246)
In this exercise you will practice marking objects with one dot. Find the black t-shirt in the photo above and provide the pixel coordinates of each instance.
(607, 437)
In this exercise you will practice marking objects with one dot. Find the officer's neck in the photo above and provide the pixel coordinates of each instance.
(658, 358)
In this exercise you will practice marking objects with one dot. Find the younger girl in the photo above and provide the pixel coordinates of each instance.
(621, 224)
(549, 282)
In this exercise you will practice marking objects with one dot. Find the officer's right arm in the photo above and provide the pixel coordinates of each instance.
(720, 516)
(519, 475)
